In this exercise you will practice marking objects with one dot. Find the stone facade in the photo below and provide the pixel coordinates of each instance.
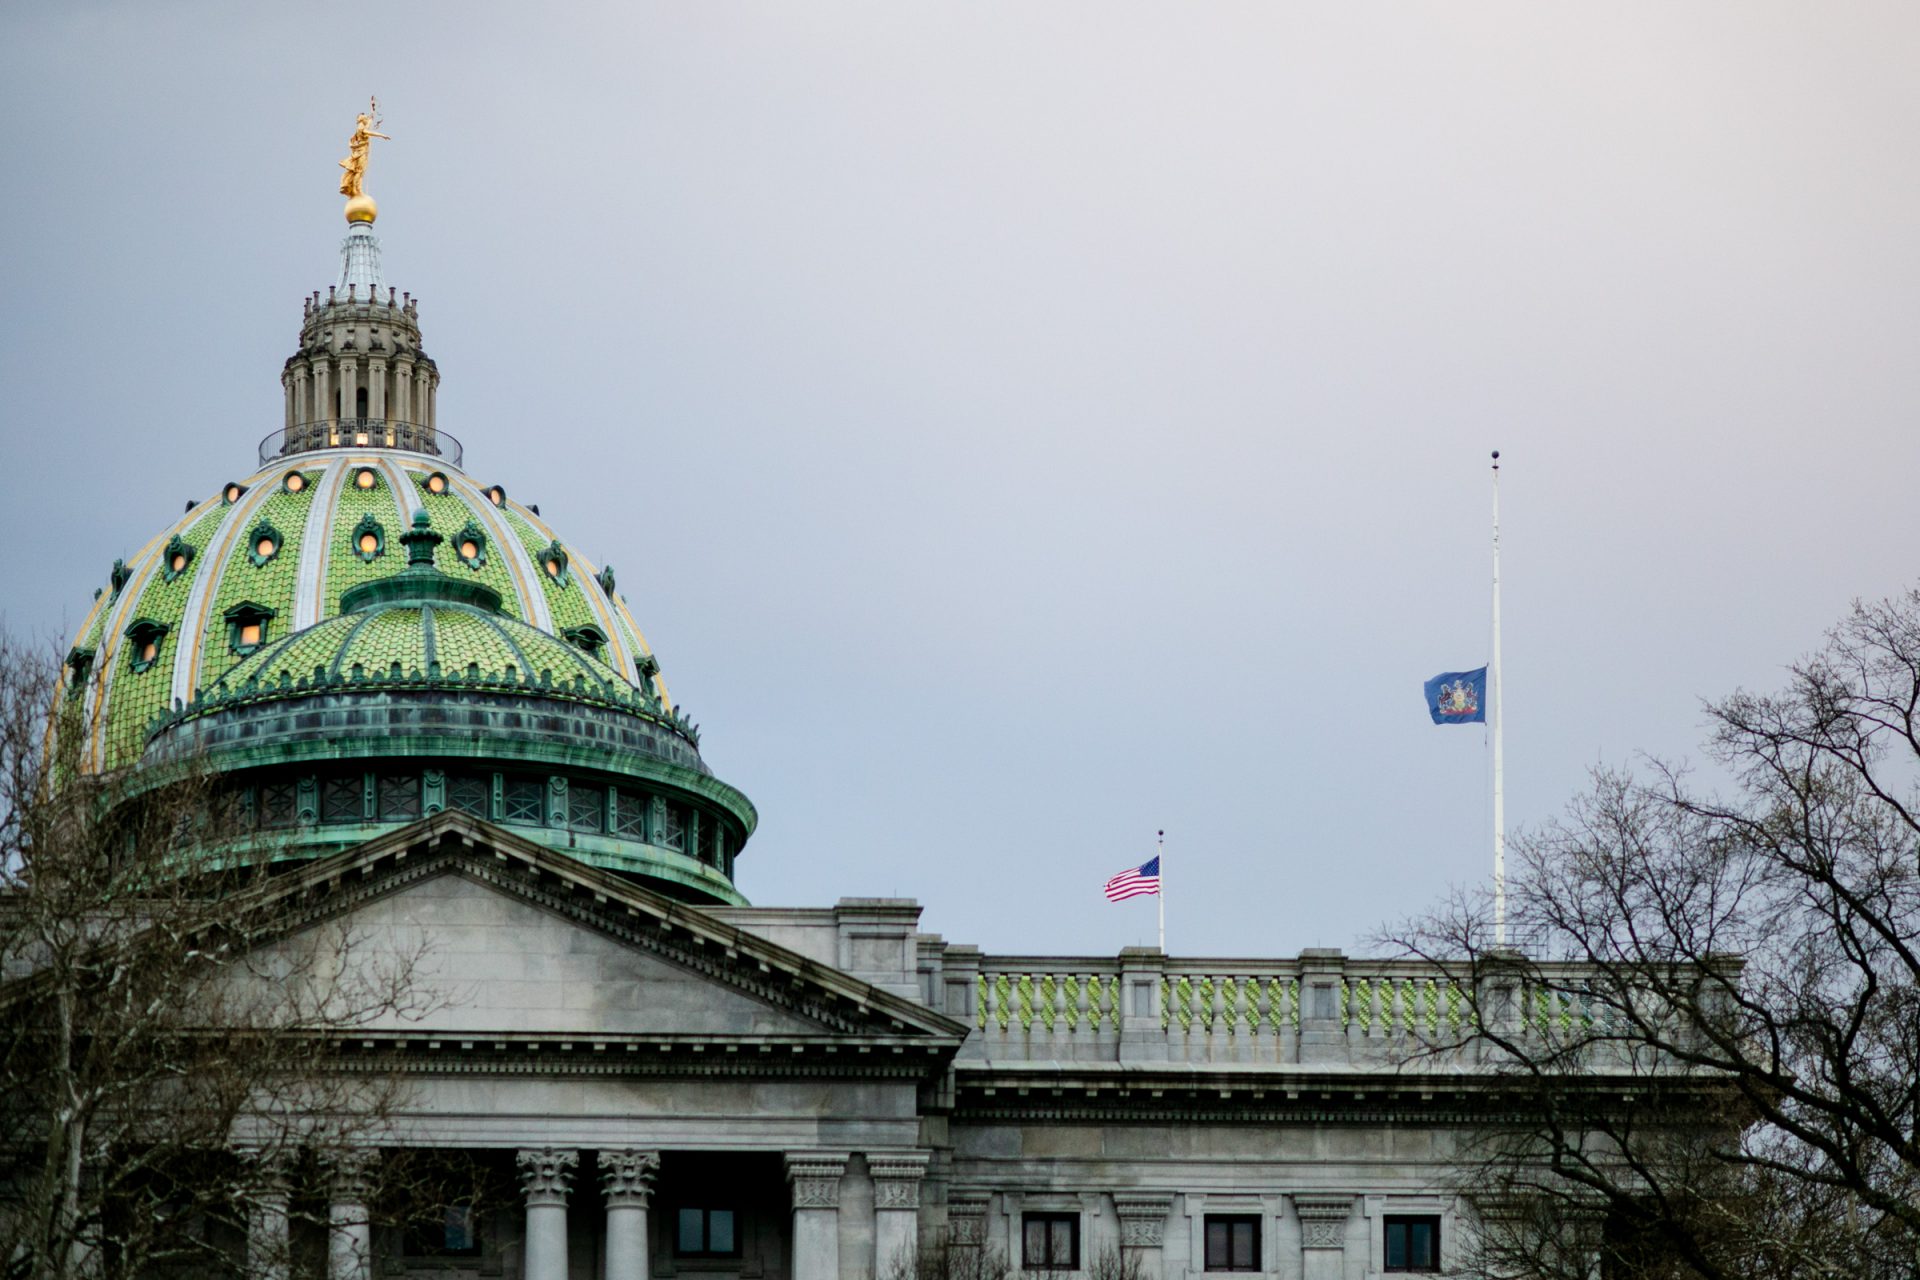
(709, 1092)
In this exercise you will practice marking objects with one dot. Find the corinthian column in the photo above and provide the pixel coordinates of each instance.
(265, 1189)
(815, 1176)
(627, 1178)
(896, 1207)
(349, 1226)
(545, 1175)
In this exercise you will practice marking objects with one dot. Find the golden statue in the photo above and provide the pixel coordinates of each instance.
(364, 132)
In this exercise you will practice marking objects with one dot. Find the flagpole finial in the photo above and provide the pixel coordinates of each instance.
(1496, 459)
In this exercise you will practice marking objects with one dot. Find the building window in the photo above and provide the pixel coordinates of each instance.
(340, 798)
(526, 802)
(369, 539)
(452, 1233)
(497, 495)
(1413, 1242)
(399, 797)
(469, 793)
(144, 639)
(586, 807)
(247, 626)
(589, 639)
(279, 804)
(1050, 1241)
(1233, 1242)
(705, 1233)
(630, 815)
(175, 559)
(231, 494)
(553, 562)
(471, 547)
(673, 831)
(263, 544)
(366, 478)
(293, 481)
(79, 667)
(437, 483)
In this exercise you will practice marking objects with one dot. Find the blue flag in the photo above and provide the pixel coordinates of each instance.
(1458, 697)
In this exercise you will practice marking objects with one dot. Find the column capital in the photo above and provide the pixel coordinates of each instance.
(350, 1172)
(1323, 1220)
(627, 1176)
(815, 1176)
(546, 1174)
(896, 1177)
(1143, 1218)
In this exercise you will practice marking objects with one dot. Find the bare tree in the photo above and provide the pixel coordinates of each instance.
(1708, 1050)
(162, 1071)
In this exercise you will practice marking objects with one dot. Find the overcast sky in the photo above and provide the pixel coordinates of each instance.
(1020, 427)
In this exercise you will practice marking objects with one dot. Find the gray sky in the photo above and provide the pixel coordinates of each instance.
(1022, 426)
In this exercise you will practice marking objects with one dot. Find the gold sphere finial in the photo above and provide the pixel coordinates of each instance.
(361, 208)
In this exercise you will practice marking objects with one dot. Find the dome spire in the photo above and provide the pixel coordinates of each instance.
(360, 251)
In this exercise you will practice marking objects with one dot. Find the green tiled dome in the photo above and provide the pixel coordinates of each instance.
(314, 516)
(292, 635)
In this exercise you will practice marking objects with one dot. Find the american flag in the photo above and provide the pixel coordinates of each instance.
(1135, 881)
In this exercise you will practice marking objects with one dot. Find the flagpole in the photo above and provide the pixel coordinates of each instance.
(1160, 898)
(1499, 711)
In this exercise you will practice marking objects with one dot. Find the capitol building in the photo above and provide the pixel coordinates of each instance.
(445, 725)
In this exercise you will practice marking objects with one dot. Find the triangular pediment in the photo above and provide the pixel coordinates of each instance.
(507, 939)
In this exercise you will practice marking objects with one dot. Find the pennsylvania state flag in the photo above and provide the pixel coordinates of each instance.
(1458, 697)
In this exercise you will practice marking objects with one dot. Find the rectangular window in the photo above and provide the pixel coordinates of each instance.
(705, 1233)
(279, 804)
(673, 831)
(469, 793)
(1413, 1242)
(630, 815)
(1050, 1241)
(1233, 1242)
(399, 797)
(453, 1232)
(586, 807)
(526, 800)
(340, 798)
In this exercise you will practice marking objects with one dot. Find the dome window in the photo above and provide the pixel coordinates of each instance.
(589, 639)
(369, 539)
(145, 639)
(437, 483)
(79, 668)
(247, 626)
(366, 478)
(554, 562)
(231, 494)
(175, 559)
(471, 547)
(264, 543)
(497, 496)
(294, 481)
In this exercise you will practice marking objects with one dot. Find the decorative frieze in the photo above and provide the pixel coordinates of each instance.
(546, 1174)
(1143, 1219)
(627, 1176)
(1323, 1220)
(816, 1179)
